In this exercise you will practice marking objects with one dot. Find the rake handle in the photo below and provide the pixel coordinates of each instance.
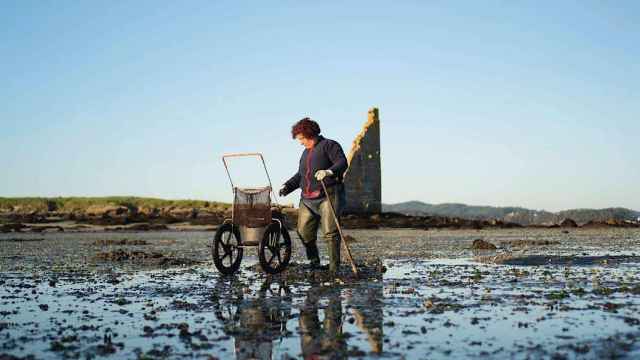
(335, 218)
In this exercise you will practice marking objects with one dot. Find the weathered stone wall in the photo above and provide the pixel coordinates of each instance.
(363, 178)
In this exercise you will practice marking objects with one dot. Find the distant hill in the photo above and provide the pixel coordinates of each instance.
(511, 214)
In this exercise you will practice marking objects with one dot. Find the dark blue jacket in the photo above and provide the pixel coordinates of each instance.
(326, 154)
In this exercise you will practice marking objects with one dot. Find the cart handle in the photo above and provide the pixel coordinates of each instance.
(245, 154)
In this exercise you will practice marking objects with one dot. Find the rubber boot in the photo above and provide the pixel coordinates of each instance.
(313, 254)
(334, 255)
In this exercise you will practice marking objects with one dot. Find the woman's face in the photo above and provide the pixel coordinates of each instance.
(307, 143)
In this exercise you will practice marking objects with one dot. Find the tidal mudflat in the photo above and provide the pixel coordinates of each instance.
(543, 293)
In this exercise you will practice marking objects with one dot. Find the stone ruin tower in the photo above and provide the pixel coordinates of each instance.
(363, 178)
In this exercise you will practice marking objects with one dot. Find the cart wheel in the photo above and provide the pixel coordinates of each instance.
(226, 252)
(275, 248)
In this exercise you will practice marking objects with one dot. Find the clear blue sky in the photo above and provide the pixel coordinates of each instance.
(531, 104)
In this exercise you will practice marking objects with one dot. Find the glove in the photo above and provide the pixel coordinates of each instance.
(321, 174)
(283, 191)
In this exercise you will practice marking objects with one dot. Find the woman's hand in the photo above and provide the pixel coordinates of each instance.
(321, 174)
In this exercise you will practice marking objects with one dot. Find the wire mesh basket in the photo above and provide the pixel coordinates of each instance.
(252, 207)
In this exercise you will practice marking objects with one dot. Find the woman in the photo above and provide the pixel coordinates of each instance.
(321, 160)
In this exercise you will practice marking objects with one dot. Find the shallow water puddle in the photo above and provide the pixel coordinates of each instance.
(419, 309)
(514, 311)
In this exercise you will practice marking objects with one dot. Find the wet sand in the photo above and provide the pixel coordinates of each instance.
(565, 294)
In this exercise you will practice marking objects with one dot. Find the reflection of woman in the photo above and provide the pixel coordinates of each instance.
(326, 338)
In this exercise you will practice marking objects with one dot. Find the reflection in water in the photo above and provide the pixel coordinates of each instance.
(258, 323)
(255, 322)
(326, 338)
(433, 310)
(367, 303)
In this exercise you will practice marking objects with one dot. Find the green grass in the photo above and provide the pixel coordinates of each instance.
(67, 204)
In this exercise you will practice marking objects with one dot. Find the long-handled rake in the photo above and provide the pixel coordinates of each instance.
(335, 217)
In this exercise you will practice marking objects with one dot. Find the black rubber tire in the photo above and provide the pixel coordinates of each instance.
(223, 233)
(277, 243)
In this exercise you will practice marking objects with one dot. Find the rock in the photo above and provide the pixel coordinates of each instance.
(106, 242)
(528, 243)
(42, 228)
(568, 223)
(140, 227)
(180, 213)
(594, 224)
(106, 211)
(208, 217)
(149, 211)
(15, 227)
(144, 258)
(511, 225)
(349, 238)
(23, 239)
(121, 255)
(479, 244)
(354, 221)
(611, 306)
(608, 223)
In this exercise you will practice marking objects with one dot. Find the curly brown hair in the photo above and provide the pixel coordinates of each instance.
(307, 127)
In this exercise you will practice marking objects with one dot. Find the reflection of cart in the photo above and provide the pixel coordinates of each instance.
(253, 223)
(257, 322)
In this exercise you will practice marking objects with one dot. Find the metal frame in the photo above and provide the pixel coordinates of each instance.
(279, 229)
(247, 154)
(234, 188)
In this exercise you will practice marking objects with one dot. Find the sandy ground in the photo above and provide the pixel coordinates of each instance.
(544, 293)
